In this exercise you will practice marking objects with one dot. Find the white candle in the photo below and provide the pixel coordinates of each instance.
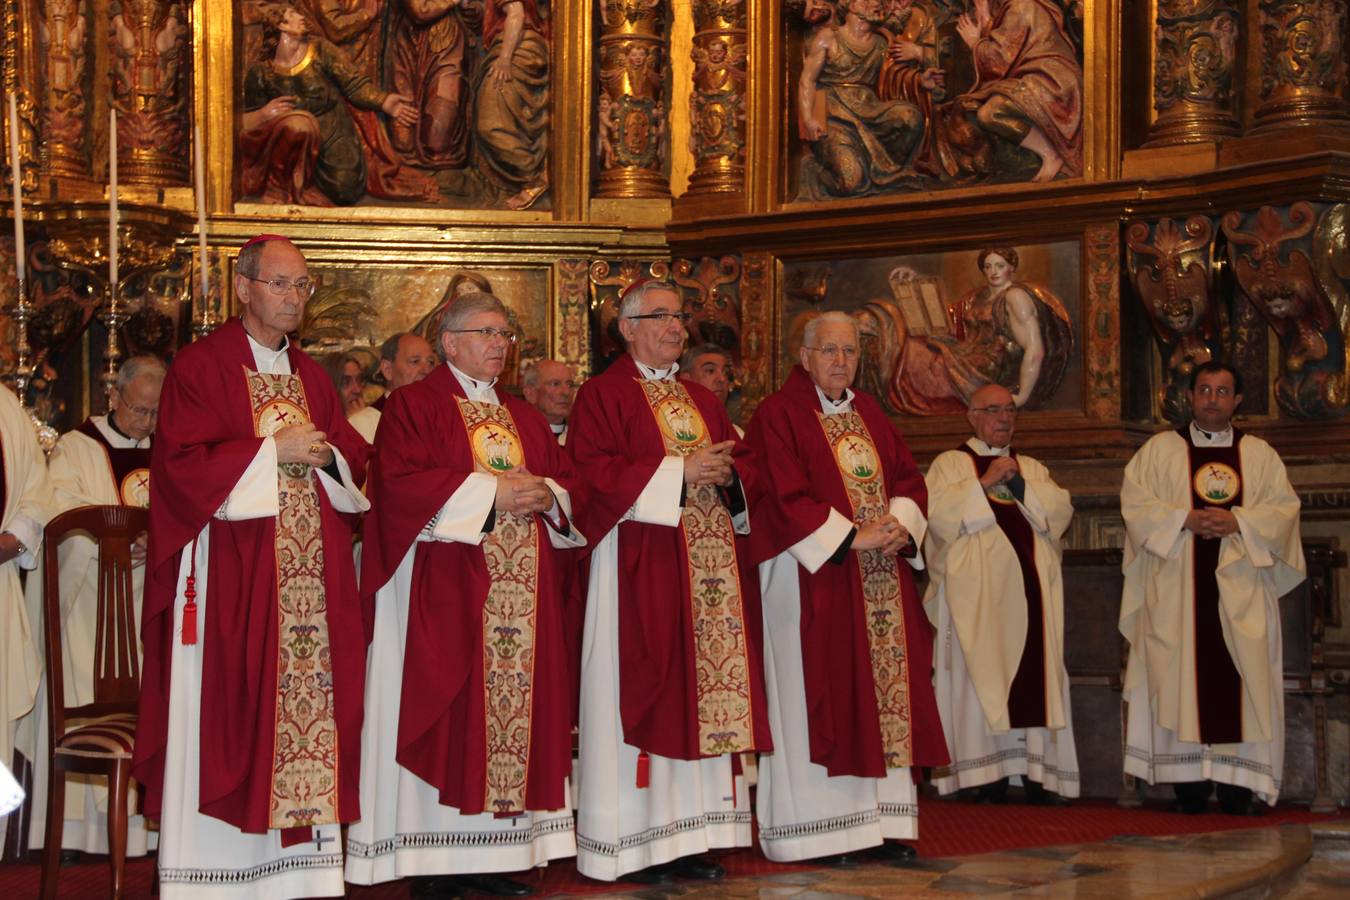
(112, 198)
(17, 172)
(200, 181)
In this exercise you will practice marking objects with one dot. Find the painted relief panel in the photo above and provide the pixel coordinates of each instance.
(938, 326)
(894, 96)
(356, 307)
(433, 103)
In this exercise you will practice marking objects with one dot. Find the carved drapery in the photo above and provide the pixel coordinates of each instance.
(1195, 57)
(1171, 270)
(63, 36)
(632, 124)
(151, 57)
(1303, 66)
(717, 105)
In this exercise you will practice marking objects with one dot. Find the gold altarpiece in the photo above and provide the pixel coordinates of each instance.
(1198, 210)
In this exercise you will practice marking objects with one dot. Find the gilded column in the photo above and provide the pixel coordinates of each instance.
(633, 121)
(21, 76)
(1303, 68)
(151, 47)
(63, 35)
(1195, 57)
(717, 107)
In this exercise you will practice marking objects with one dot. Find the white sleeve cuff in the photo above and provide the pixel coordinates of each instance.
(463, 516)
(1034, 510)
(29, 533)
(345, 497)
(659, 502)
(814, 550)
(254, 495)
(1164, 541)
(740, 523)
(1257, 551)
(907, 512)
(976, 513)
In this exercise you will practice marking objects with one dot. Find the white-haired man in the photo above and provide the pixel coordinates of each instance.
(847, 652)
(550, 387)
(671, 684)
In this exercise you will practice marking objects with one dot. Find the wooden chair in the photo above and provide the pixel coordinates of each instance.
(102, 741)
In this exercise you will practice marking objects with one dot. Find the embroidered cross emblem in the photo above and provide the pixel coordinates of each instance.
(142, 481)
(320, 839)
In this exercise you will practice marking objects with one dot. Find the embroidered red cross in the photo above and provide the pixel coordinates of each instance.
(142, 481)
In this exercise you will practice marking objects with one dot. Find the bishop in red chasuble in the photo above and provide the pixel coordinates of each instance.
(467, 744)
(671, 684)
(848, 651)
(250, 716)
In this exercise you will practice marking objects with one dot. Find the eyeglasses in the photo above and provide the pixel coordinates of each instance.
(996, 410)
(832, 350)
(662, 318)
(489, 333)
(140, 412)
(283, 286)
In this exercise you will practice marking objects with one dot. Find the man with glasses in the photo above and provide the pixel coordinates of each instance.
(1212, 543)
(847, 650)
(248, 736)
(404, 359)
(671, 684)
(105, 461)
(996, 595)
(467, 741)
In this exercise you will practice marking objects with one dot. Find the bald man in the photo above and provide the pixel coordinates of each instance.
(550, 387)
(995, 520)
(404, 359)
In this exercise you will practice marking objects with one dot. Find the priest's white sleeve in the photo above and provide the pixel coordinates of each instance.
(908, 514)
(814, 550)
(560, 514)
(659, 502)
(462, 517)
(1033, 510)
(345, 495)
(255, 494)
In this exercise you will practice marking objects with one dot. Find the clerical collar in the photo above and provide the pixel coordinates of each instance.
(477, 390)
(984, 449)
(558, 428)
(263, 352)
(656, 374)
(1203, 438)
(830, 407)
(112, 424)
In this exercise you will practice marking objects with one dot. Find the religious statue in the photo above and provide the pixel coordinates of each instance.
(430, 64)
(511, 124)
(309, 123)
(63, 33)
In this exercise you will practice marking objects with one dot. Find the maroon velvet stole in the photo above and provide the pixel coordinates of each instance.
(130, 466)
(1216, 483)
(1026, 696)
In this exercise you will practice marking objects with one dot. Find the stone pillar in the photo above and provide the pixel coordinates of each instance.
(633, 120)
(1303, 66)
(1195, 74)
(64, 42)
(717, 106)
(151, 58)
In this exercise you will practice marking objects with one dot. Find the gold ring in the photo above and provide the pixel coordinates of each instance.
(315, 448)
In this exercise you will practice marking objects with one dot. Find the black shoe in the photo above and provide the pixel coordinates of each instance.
(650, 875)
(840, 861)
(995, 792)
(1192, 796)
(895, 853)
(495, 885)
(1037, 795)
(439, 887)
(695, 867)
(1237, 801)
(71, 858)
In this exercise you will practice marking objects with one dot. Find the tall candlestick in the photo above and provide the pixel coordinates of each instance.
(17, 172)
(112, 199)
(199, 155)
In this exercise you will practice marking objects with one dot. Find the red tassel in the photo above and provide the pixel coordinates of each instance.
(190, 594)
(644, 770)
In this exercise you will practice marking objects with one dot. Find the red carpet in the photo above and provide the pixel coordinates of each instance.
(948, 829)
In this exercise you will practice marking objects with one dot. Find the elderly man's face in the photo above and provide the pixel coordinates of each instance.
(832, 361)
(135, 408)
(655, 342)
(713, 371)
(477, 355)
(993, 415)
(414, 361)
(267, 315)
(554, 393)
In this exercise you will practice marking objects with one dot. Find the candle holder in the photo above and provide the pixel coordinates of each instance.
(21, 312)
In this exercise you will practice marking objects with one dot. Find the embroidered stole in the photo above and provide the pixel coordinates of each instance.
(721, 664)
(305, 751)
(128, 466)
(1216, 483)
(859, 465)
(511, 551)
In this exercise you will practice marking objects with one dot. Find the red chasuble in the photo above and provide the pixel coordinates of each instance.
(1216, 483)
(205, 441)
(484, 714)
(129, 467)
(617, 442)
(845, 725)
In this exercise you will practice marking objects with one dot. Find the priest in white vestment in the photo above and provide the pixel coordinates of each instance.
(996, 596)
(1213, 542)
(27, 505)
(404, 358)
(104, 462)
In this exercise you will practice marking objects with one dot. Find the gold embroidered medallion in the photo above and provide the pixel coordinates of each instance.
(135, 488)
